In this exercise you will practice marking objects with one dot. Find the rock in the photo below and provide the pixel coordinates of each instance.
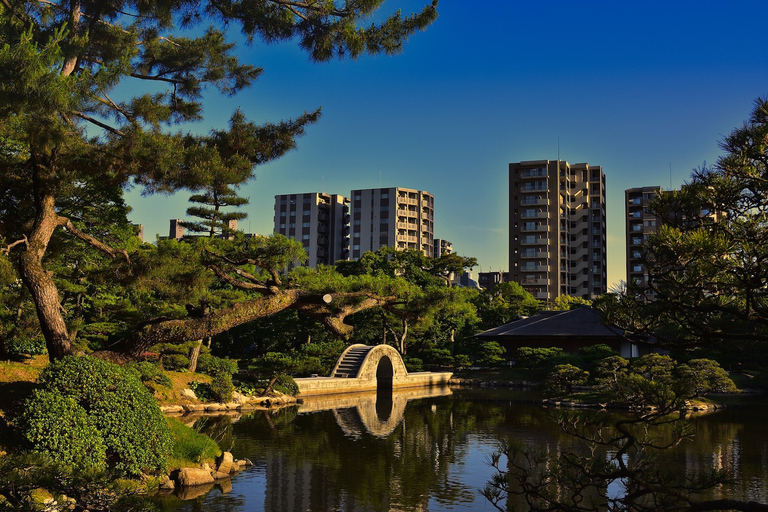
(218, 475)
(224, 463)
(239, 397)
(188, 477)
(194, 407)
(188, 393)
(207, 466)
(166, 484)
(172, 409)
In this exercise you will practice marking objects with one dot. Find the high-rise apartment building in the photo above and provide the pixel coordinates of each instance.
(441, 246)
(557, 236)
(640, 224)
(398, 217)
(319, 221)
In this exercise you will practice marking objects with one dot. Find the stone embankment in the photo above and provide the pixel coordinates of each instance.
(239, 403)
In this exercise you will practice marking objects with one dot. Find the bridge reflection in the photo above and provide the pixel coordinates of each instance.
(377, 413)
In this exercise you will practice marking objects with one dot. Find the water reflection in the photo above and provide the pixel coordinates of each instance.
(408, 451)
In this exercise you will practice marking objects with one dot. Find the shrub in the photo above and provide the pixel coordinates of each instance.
(174, 362)
(564, 377)
(438, 356)
(701, 376)
(490, 354)
(120, 408)
(571, 359)
(210, 365)
(413, 364)
(222, 387)
(58, 426)
(656, 367)
(31, 345)
(285, 384)
(528, 357)
(592, 354)
(150, 373)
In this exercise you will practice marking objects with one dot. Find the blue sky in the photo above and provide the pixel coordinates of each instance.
(636, 87)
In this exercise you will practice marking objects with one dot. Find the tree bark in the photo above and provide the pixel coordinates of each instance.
(39, 281)
(194, 353)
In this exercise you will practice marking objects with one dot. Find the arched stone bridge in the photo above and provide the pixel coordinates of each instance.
(369, 368)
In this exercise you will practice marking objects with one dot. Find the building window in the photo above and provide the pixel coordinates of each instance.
(282, 214)
(385, 195)
(356, 247)
(306, 224)
(305, 237)
(293, 214)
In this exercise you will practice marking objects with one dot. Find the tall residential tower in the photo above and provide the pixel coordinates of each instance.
(398, 217)
(557, 235)
(319, 221)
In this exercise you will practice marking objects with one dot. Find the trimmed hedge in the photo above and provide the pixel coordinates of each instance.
(121, 414)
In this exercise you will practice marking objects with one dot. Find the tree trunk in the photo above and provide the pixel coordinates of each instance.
(194, 352)
(39, 282)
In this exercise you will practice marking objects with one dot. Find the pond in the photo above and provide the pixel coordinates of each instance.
(429, 450)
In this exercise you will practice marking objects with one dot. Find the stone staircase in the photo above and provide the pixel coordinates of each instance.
(350, 364)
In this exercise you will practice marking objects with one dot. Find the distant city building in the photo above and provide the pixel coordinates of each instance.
(397, 217)
(640, 224)
(319, 221)
(464, 280)
(489, 280)
(557, 228)
(177, 231)
(442, 246)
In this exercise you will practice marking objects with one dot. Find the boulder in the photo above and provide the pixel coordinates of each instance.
(188, 393)
(193, 476)
(218, 475)
(166, 484)
(224, 463)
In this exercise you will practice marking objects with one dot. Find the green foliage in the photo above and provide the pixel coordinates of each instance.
(505, 303)
(608, 371)
(150, 373)
(211, 365)
(592, 354)
(286, 385)
(174, 362)
(58, 426)
(438, 356)
(24, 344)
(189, 445)
(413, 364)
(528, 357)
(564, 377)
(703, 376)
(222, 387)
(462, 361)
(117, 404)
(656, 367)
(708, 260)
(566, 303)
(490, 353)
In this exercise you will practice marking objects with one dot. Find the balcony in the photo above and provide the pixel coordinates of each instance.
(533, 254)
(528, 267)
(534, 173)
(534, 226)
(534, 282)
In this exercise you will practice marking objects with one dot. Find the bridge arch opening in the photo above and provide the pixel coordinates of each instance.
(385, 374)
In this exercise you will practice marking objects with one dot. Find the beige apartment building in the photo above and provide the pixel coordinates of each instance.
(398, 217)
(639, 226)
(319, 221)
(557, 228)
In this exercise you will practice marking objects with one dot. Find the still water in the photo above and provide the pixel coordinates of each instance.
(429, 450)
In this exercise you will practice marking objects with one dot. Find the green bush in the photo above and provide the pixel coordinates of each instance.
(285, 384)
(570, 359)
(490, 354)
(222, 387)
(120, 408)
(59, 427)
(174, 362)
(701, 376)
(32, 345)
(594, 353)
(563, 377)
(150, 373)
(413, 364)
(210, 365)
(528, 357)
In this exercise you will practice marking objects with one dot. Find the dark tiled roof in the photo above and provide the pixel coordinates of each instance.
(581, 322)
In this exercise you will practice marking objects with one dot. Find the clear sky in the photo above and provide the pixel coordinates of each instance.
(638, 87)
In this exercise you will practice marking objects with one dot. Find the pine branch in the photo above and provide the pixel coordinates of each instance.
(7, 249)
(112, 253)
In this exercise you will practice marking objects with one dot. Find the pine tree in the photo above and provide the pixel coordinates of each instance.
(63, 122)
